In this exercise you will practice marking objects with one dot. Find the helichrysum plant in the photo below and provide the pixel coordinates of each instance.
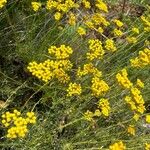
(87, 75)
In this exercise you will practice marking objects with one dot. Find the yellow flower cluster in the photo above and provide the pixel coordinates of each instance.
(117, 32)
(36, 5)
(81, 31)
(89, 69)
(2, 3)
(104, 106)
(139, 83)
(131, 40)
(50, 69)
(123, 79)
(18, 125)
(135, 30)
(74, 89)
(100, 30)
(72, 19)
(148, 118)
(60, 7)
(99, 87)
(101, 5)
(142, 60)
(147, 146)
(118, 22)
(96, 49)
(131, 129)
(136, 101)
(61, 52)
(145, 21)
(86, 4)
(117, 146)
(99, 19)
(110, 45)
(89, 116)
(57, 16)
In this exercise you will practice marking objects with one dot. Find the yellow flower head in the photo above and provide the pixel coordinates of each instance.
(118, 32)
(57, 16)
(17, 125)
(135, 30)
(81, 31)
(61, 52)
(117, 146)
(36, 5)
(101, 5)
(2, 3)
(72, 19)
(118, 22)
(95, 49)
(136, 117)
(140, 83)
(100, 30)
(147, 146)
(99, 87)
(103, 104)
(131, 129)
(74, 89)
(110, 45)
(88, 115)
(123, 79)
(148, 118)
(131, 40)
(86, 4)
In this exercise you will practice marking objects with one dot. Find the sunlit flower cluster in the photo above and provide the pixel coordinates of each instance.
(2, 3)
(81, 31)
(110, 45)
(99, 87)
(131, 129)
(16, 124)
(117, 146)
(117, 32)
(146, 23)
(89, 69)
(61, 52)
(86, 4)
(136, 101)
(74, 89)
(123, 80)
(135, 30)
(131, 40)
(104, 106)
(147, 146)
(50, 69)
(72, 19)
(88, 115)
(142, 60)
(61, 7)
(118, 22)
(101, 5)
(96, 50)
(36, 6)
(147, 118)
